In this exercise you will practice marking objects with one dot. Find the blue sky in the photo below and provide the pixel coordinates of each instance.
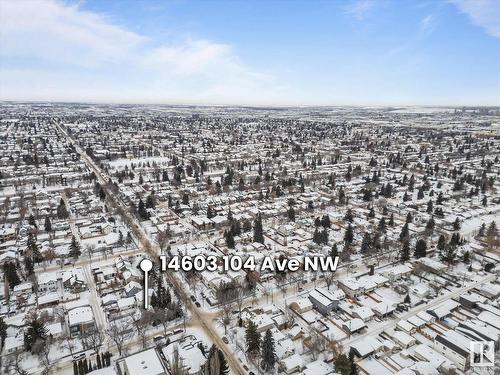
(262, 52)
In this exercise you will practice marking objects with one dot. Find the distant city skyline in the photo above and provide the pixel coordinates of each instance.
(262, 53)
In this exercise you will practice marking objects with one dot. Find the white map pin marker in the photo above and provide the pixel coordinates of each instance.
(146, 265)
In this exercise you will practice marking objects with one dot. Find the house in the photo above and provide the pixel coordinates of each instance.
(364, 313)
(443, 309)
(366, 347)
(397, 272)
(317, 367)
(49, 299)
(292, 364)
(80, 319)
(325, 301)
(300, 304)
(401, 338)
(406, 326)
(7, 234)
(455, 347)
(353, 325)
(54, 330)
(383, 309)
(47, 282)
(14, 344)
(189, 351)
(284, 348)
(146, 362)
(425, 353)
(351, 287)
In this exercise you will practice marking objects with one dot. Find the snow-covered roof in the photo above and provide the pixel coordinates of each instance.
(146, 362)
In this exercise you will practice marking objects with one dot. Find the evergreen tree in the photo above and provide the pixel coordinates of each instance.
(381, 224)
(354, 367)
(129, 239)
(216, 363)
(268, 352)
(10, 272)
(121, 240)
(28, 264)
(142, 211)
(229, 239)
(34, 333)
(74, 249)
(420, 249)
(391, 220)
(349, 235)
(482, 230)
(456, 224)
(291, 214)
(224, 368)
(441, 242)
(62, 212)
(33, 250)
(48, 224)
(3, 332)
(349, 216)
(150, 201)
(405, 233)
(342, 364)
(466, 257)
(429, 227)
(430, 206)
(366, 244)
(32, 221)
(210, 212)
(334, 251)
(252, 338)
(492, 231)
(258, 232)
(449, 254)
(405, 252)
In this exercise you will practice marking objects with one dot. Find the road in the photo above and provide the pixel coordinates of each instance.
(99, 314)
(154, 251)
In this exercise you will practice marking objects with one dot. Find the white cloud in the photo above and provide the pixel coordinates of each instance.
(123, 65)
(51, 31)
(483, 13)
(191, 57)
(359, 9)
(427, 24)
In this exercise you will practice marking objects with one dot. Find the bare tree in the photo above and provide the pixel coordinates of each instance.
(90, 250)
(68, 343)
(45, 361)
(329, 277)
(141, 322)
(289, 317)
(317, 343)
(14, 365)
(92, 340)
(240, 299)
(164, 317)
(225, 318)
(119, 337)
(175, 365)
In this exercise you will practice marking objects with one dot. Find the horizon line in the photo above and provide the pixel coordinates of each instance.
(187, 104)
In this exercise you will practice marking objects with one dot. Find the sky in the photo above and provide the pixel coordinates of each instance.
(261, 52)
